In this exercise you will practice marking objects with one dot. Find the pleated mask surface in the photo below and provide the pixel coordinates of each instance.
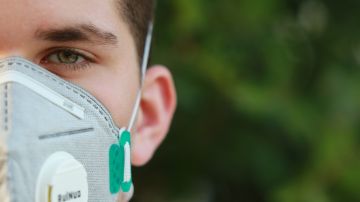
(57, 142)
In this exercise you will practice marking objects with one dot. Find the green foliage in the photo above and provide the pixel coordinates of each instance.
(268, 102)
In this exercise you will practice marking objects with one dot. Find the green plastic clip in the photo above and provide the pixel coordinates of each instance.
(120, 164)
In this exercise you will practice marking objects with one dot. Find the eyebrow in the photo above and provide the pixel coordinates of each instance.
(82, 32)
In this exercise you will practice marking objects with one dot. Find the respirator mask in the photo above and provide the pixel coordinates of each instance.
(57, 142)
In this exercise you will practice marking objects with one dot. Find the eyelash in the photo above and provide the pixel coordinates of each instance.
(73, 67)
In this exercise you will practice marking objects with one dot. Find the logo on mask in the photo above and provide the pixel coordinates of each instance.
(69, 196)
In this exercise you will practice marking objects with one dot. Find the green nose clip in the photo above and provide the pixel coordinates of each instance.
(120, 164)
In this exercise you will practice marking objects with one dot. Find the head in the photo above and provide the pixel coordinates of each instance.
(97, 45)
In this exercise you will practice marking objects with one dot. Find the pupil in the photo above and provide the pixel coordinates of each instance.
(67, 57)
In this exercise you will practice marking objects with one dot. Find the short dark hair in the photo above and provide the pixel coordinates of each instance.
(138, 14)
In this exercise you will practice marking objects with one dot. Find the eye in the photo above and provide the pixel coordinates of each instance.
(66, 58)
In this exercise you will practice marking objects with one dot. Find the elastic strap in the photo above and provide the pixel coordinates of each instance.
(144, 66)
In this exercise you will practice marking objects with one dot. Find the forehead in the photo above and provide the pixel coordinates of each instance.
(30, 14)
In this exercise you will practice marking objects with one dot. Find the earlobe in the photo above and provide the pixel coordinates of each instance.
(157, 107)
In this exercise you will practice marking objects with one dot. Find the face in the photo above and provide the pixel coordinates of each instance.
(83, 41)
(86, 42)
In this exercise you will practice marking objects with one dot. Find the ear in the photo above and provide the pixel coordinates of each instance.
(157, 107)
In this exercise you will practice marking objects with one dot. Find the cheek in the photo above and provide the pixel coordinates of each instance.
(116, 90)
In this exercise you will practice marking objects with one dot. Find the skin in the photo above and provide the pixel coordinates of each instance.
(110, 70)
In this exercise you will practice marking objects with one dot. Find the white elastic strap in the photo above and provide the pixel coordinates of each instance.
(127, 163)
(127, 171)
(143, 72)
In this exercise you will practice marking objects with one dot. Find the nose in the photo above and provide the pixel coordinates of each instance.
(16, 54)
(14, 43)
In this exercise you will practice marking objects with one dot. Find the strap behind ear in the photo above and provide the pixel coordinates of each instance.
(144, 66)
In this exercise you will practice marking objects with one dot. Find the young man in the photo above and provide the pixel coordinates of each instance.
(99, 46)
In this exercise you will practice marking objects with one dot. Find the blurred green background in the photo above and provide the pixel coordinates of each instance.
(268, 102)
